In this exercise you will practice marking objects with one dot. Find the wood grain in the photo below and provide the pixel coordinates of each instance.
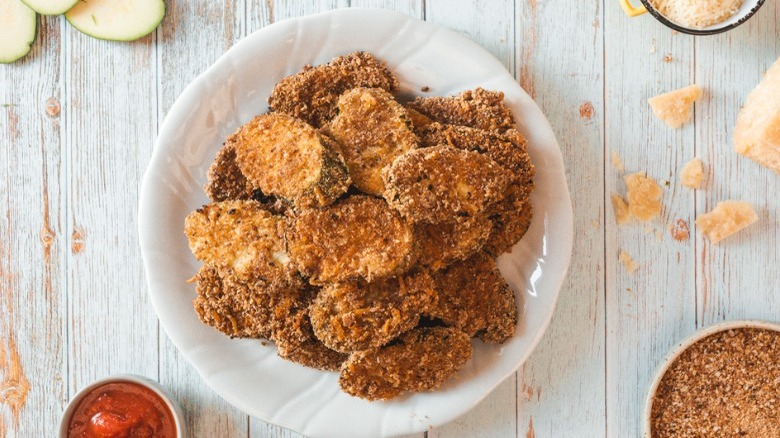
(110, 125)
(196, 33)
(562, 386)
(649, 310)
(78, 121)
(32, 240)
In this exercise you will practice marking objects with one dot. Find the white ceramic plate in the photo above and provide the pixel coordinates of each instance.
(251, 376)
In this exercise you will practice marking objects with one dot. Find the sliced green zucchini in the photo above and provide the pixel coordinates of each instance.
(116, 20)
(50, 7)
(17, 30)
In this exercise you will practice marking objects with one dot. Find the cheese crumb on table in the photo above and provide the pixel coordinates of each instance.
(675, 108)
(725, 219)
(757, 133)
(692, 174)
(644, 196)
(629, 263)
(617, 162)
(621, 209)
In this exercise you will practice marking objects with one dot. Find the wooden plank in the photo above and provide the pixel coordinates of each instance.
(649, 310)
(193, 35)
(492, 25)
(735, 279)
(32, 247)
(561, 388)
(110, 125)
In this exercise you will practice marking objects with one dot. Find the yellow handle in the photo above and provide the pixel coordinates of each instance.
(631, 11)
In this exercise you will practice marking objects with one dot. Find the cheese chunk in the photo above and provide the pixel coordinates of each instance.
(725, 219)
(675, 107)
(692, 174)
(757, 134)
(644, 196)
(621, 209)
(629, 263)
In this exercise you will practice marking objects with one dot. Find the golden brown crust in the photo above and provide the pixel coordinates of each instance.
(240, 238)
(443, 243)
(294, 337)
(417, 118)
(357, 237)
(312, 94)
(476, 108)
(444, 184)
(372, 130)
(475, 298)
(511, 218)
(286, 157)
(235, 309)
(420, 360)
(357, 315)
(225, 180)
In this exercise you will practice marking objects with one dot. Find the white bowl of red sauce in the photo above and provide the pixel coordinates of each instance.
(123, 405)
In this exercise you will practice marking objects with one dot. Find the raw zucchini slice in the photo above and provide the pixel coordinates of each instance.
(50, 7)
(17, 30)
(116, 20)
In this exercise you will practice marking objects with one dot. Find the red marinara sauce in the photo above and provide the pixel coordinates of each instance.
(121, 409)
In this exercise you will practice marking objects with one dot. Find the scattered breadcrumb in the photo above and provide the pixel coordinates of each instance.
(727, 218)
(628, 262)
(668, 57)
(679, 230)
(644, 196)
(617, 162)
(675, 108)
(692, 174)
(621, 209)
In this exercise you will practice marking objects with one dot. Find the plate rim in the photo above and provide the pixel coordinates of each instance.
(175, 114)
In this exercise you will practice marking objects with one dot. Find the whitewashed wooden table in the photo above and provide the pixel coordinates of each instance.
(79, 117)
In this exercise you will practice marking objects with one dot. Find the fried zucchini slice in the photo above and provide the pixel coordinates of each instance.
(476, 108)
(357, 237)
(286, 157)
(294, 337)
(475, 298)
(420, 360)
(444, 184)
(225, 180)
(372, 130)
(357, 315)
(441, 244)
(240, 238)
(312, 94)
(511, 218)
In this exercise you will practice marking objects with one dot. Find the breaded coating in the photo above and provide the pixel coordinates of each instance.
(311, 94)
(295, 340)
(508, 149)
(511, 218)
(240, 238)
(420, 360)
(444, 184)
(475, 298)
(417, 118)
(443, 243)
(476, 108)
(372, 130)
(286, 157)
(225, 180)
(236, 310)
(357, 315)
(357, 237)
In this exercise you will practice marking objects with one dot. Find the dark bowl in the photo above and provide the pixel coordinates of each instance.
(668, 23)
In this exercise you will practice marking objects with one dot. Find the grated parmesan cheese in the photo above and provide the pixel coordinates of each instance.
(675, 108)
(697, 14)
(725, 219)
(757, 134)
(692, 174)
